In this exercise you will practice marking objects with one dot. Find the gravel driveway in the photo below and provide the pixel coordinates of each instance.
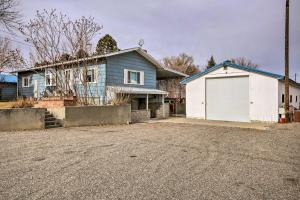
(151, 161)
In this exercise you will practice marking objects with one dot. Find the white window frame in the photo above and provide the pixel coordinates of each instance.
(23, 81)
(49, 73)
(95, 76)
(68, 82)
(126, 80)
(95, 68)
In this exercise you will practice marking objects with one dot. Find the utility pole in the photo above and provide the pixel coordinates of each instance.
(286, 78)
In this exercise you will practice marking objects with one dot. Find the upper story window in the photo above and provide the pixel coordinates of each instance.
(296, 99)
(133, 77)
(26, 81)
(49, 77)
(291, 98)
(282, 98)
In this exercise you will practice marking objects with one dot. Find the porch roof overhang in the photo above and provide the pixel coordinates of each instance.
(135, 90)
(166, 73)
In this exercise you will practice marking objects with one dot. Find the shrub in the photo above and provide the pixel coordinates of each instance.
(23, 103)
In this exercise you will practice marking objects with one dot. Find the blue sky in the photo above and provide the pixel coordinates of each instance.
(201, 28)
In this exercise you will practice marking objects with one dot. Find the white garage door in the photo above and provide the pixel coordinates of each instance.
(227, 99)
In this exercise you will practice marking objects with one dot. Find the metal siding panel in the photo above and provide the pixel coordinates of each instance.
(9, 92)
(134, 61)
(228, 99)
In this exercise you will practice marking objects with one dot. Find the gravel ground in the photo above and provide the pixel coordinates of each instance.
(151, 161)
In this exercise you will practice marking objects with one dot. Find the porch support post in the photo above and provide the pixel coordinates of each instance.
(162, 102)
(147, 102)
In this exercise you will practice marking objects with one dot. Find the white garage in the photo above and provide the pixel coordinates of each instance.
(231, 92)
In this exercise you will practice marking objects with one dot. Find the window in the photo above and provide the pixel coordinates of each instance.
(91, 75)
(282, 98)
(88, 75)
(133, 77)
(291, 98)
(296, 99)
(25, 81)
(49, 78)
(68, 75)
(68, 79)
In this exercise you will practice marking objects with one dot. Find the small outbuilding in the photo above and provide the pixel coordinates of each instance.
(8, 87)
(230, 92)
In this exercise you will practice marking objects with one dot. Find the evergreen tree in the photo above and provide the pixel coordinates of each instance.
(211, 62)
(106, 44)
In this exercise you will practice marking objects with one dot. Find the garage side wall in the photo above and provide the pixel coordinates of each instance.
(263, 98)
(294, 91)
(263, 95)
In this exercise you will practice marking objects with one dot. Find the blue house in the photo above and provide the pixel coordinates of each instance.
(8, 87)
(100, 78)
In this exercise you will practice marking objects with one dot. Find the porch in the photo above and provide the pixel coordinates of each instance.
(145, 103)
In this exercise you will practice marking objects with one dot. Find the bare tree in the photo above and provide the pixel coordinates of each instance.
(10, 17)
(182, 63)
(244, 62)
(80, 33)
(57, 39)
(9, 58)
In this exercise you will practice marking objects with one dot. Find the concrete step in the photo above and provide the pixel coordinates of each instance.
(48, 115)
(50, 122)
(50, 119)
(53, 126)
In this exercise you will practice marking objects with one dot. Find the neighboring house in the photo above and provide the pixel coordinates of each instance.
(231, 92)
(131, 71)
(8, 87)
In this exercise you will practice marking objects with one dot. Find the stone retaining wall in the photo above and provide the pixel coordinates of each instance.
(140, 115)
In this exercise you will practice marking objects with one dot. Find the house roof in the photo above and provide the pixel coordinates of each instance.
(7, 78)
(236, 66)
(135, 90)
(163, 72)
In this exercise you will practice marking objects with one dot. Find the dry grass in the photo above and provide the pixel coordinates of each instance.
(23, 103)
(6, 104)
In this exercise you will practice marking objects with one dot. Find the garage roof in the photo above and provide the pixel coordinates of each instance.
(230, 64)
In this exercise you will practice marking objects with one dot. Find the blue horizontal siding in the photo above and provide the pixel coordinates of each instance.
(28, 91)
(94, 89)
(132, 61)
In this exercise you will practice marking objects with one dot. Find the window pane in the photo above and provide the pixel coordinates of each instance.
(138, 77)
(48, 80)
(26, 82)
(128, 80)
(133, 77)
(90, 75)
